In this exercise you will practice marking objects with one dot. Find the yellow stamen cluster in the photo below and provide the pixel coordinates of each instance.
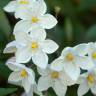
(34, 45)
(94, 55)
(55, 74)
(90, 78)
(24, 2)
(24, 73)
(70, 57)
(35, 19)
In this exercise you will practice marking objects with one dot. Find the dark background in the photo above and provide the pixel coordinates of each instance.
(76, 24)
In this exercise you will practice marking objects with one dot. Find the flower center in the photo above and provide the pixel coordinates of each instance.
(24, 73)
(90, 78)
(70, 57)
(55, 74)
(34, 45)
(24, 2)
(94, 55)
(35, 19)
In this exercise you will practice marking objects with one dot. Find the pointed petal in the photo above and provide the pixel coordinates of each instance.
(23, 55)
(11, 63)
(31, 77)
(83, 89)
(81, 49)
(57, 64)
(38, 34)
(93, 89)
(23, 12)
(40, 59)
(39, 8)
(72, 70)
(59, 88)
(26, 85)
(49, 46)
(84, 62)
(22, 26)
(11, 47)
(36, 91)
(44, 83)
(11, 7)
(48, 21)
(66, 80)
(14, 77)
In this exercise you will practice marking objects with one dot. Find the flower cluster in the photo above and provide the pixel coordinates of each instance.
(30, 44)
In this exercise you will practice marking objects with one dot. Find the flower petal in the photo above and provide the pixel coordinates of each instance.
(65, 79)
(36, 91)
(83, 89)
(11, 63)
(38, 34)
(57, 64)
(48, 21)
(11, 47)
(43, 72)
(14, 77)
(84, 62)
(40, 59)
(49, 46)
(26, 85)
(93, 89)
(39, 8)
(22, 26)
(59, 88)
(81, 49)
(72, 70)
(23, 55)
(44, 83)
(31, 77)
(11, 7)
(23, 12)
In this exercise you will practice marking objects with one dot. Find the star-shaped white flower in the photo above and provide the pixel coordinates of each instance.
(17, 6)
(87, 82)
(57, 80)
(21, 75)
(34, 17)
(32, 46)
(72, 59)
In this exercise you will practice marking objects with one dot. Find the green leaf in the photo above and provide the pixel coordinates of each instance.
(4, 24)
(87, 4)
(7, 91)
(78, 32)
(91, 33)
(69, 29)
(4, 70)
(3, 3)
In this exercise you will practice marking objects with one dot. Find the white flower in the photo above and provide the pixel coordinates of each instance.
(71, 60)
(54, 79)
(34, 17)
(21, 75)
(87, 82)
(33, 46)
(57, 80)
(17, 6)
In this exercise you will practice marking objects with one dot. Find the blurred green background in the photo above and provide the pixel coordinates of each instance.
(76, 24)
